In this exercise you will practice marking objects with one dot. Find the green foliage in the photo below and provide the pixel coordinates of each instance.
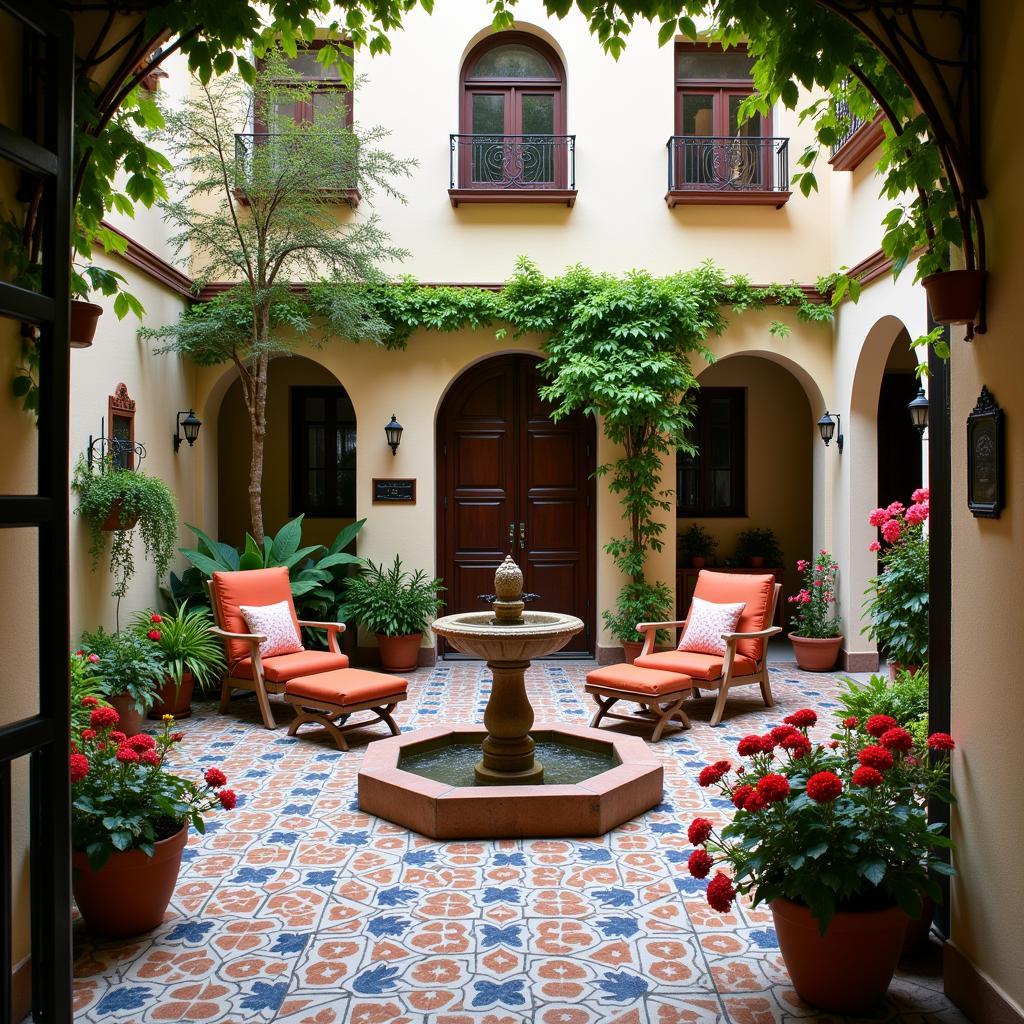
(134, 493)
(185, 643)
(905, 698)
(639, 602)
(759, 542)
(120, 802)
(696, 542)
(127, 663)
(86, 681)
(393, 602)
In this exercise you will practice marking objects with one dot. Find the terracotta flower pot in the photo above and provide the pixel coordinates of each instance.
(631, 651)
(173, 700)
(399, 653)
(117, 520)
(954, 296)
(894, 667)
(84, 317)
(698, 562)
(756, 561)
(814, 654)
(849, 968)
(130, 893)
(131, 717)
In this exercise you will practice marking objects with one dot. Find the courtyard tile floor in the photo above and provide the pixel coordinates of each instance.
(298, 908)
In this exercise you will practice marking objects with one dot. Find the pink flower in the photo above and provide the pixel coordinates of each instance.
(921, 494)
(93, 658)
(802, 565)
(917, 513)
(878, 516)
(891, 531)
(874, 546)
(895, 509)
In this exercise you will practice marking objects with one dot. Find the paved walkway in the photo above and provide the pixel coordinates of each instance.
(296, 907)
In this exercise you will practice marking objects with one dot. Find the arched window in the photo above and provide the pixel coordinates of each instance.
(512, 115)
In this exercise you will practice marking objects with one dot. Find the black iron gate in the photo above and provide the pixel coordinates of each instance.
(43, 738)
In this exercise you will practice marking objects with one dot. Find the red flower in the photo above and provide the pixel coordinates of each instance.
(740, 795)
(897, 739)
(721, 893)
(227, 799)
(895, 509)
(215, 778)
(754, 803)
(700, 863)
(874, 546)
(751, 745)
(88, 734)
(921, 494)
(127, 755)
(780, 732)
(117, 736)
(150, 757)
(699, 831)
(878, 724)
(90, 702)
(156, 618)
(892, 530)
(154, 634)
(93, 659)
(79, 767)
(141, 742)
(798, 745)
(824, 787)
(878, 517)
(867, 777)
(103, 718)
(876, 757)
(773, 788)
(851, 723)
(802, 719)
(713, 773)
(917, 513)
(941, 741)
(177, 737)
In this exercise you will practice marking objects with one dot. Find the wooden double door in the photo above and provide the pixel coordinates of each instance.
(511, 481)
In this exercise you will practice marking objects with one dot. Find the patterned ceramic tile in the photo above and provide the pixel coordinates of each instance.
(298, 908)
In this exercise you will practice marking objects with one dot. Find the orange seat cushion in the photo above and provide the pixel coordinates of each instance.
(230, 590)
(633, 679)
(730, 588)
(291, 666)
(348, 686)
(707, 667)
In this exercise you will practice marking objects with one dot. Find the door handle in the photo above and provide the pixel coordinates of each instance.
(511, 536)
(522, 536)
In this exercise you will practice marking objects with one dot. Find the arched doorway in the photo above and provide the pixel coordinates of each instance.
(900, 468)
(510, 481)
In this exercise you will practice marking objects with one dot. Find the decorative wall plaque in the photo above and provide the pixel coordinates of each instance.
(394, 491)
(986, 485)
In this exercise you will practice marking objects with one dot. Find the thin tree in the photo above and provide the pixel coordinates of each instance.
(264, 209)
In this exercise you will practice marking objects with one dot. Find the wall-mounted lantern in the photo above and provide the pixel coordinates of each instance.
(827, 428)
(189, 426)
(393, 432)
(918, 409)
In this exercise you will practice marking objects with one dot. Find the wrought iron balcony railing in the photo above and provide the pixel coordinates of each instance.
(722, 164)
(852, 122)
(512, 162)
(263, 156)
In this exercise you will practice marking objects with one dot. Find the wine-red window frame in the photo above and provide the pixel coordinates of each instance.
(121, 406)
(304, 113)
(721, 88)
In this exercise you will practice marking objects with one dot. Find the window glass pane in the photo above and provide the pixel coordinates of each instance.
(330, 104)
(488, 114)
(488, 163)
(749, 129)
(712, 64)
(306, 63)
(721, 488)
(698, 114)
(721, 447)
(315, 409)
(538, 114)
(537, 157)
(315, 447)
(513, 60)
(315, 488)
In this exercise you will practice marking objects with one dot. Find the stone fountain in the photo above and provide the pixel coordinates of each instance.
(478, 782)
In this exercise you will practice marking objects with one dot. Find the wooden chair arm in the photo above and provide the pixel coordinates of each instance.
(759, 635)
(643, 627)
(337, 627)
(224, 634)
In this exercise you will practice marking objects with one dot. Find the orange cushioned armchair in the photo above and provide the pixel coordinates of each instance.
(246, 669)
(745, 658)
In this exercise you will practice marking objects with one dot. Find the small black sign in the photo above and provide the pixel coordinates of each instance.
(399, 492)
(986, 486)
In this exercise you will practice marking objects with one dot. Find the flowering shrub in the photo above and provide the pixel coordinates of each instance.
(184, 642)
(86, 681)
(814, 616)
(127, 663)
(836, 827)
(124, 797)
(898, 596)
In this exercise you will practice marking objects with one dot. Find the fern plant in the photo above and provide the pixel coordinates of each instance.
(183, 640)
(393, 602)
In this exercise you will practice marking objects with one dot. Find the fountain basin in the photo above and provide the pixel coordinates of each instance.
(483, 636)
(630, 785)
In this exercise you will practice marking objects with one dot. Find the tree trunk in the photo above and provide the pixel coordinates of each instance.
(258, 432)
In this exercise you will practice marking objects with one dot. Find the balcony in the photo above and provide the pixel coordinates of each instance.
(710, 170)
(858, 141)
(273, 159)
(512, 169)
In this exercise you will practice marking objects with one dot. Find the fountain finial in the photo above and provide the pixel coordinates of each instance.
(508, 593)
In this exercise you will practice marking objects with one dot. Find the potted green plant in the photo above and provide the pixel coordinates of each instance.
(396, 606)
(814, 624)
(758, 547)
(129, 822)
(696, 546)
(131, 671)
(836, 840)
(118, 500)
(638, 602)
(86, 681)
(191, 655)
(897, 598)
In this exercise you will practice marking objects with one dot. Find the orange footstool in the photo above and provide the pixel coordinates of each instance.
(660, 693)
(326, 697)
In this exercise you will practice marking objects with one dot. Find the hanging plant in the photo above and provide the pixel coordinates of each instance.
(121, 501)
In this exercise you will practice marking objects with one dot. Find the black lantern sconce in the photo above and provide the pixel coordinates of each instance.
(189, 425)
(918, 409)
(827, 428)
(393, 432)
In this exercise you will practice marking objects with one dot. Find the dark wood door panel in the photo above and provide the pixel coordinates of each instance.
(552, 527)
(480, 461)
(481, 527)
(562, 588)
(553, 458)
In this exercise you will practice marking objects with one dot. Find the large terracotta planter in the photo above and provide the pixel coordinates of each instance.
(130, 893)
(84, 317)
(631, 651)
(894, 668)
(814, 654)
(399, 653)
(131, 717)
(172, 700)
(849, 968)
(117, 519)
(954, 296)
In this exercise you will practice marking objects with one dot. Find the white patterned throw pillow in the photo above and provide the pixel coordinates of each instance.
(706, 624)
(275, 622)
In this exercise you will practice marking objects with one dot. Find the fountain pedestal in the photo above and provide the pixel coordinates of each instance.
(508, 747)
